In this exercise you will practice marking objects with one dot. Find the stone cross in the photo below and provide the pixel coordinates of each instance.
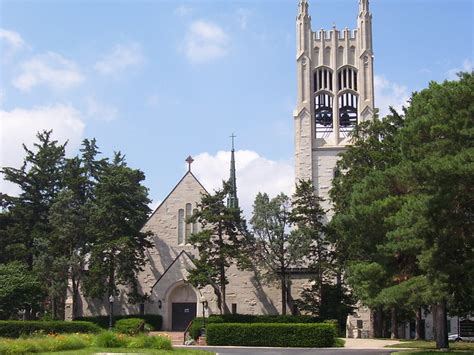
(189, 160)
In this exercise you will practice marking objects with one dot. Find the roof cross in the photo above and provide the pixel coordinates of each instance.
(189, 160)
(233, 136)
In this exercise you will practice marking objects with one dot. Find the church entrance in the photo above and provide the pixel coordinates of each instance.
(183, 306)
(182, 315)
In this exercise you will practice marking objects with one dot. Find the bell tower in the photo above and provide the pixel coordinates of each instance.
(335, 92)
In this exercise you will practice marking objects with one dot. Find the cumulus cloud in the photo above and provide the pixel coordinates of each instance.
(12, 39)
(20, 126)
(465, 67)
(121, 57)
(388, 94)
(254, 174)
(205, 41)
(50, 69)
(100, 111)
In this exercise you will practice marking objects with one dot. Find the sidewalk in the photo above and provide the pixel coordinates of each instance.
(369, 343)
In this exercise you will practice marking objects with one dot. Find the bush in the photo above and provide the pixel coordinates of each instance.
(155, 320)
(110, 340)
(15, 328)
(44, 344)
(250, 318)
(150, 342)
(195, 330)
(131, 326)
(267, 334)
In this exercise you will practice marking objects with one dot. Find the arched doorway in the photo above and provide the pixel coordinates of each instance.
(183, 302)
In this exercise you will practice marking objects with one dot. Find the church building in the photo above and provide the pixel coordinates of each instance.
(335, 91)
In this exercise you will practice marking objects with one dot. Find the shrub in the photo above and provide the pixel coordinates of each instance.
(195, 330)
(250, 318)
(110, 340)
(155, 320)
(14, 329)
(268, 334)
(150, 342)
(131, 326)
(44, 344)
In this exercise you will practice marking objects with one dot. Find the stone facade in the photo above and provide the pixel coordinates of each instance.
(165, 275)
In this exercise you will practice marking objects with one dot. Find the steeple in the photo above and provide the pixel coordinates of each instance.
(232, 200)
(363, 6)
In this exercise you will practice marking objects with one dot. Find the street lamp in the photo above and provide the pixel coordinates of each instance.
(204, 306)
(111, 311)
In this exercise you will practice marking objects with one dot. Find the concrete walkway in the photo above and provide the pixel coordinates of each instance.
(369, 343)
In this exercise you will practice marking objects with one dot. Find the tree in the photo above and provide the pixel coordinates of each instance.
(220, 243)
(276, 249)
(19, 289)
(118, 212)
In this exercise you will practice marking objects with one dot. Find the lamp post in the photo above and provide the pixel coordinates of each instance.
(111, 311)
(204, 306)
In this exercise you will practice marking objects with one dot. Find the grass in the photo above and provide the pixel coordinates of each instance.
(424, 344)
(95, 350)
(339, 343)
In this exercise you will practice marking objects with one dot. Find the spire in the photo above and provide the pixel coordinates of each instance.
(232, 200)
(303, 8)
(363, 7)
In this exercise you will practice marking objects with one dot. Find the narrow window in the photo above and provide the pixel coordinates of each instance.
(360, 324)
(188, 225)
(195, 224)
(181, 226)
(234, 308)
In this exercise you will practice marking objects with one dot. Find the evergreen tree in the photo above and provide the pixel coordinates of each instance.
(117, 246)
(220, 243)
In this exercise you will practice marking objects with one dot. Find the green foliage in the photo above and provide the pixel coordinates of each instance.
(271, 334)
(110, 339)
(131, 326)
(18, 288)
(44, 344)
(154, 320)
(149, 342)
(251, 318)
(221, 243)
(14, 329)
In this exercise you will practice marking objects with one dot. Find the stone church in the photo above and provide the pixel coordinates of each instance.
(335, 91)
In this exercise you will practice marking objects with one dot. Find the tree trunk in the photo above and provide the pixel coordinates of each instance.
(75, 294)
(283, 293)
(222, 279)
(440, 318)
(378, 322)
(394, 325)
(418, 324)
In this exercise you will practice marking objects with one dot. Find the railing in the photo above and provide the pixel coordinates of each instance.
(186, 331)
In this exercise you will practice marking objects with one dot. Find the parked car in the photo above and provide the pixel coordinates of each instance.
(455, 337)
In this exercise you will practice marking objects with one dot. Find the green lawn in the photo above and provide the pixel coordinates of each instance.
(131, 351)
(423, 344)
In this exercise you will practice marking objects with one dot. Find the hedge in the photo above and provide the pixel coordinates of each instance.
(251, 318)
(266, 334)
(155, 320)
(131, 326)
(15, 328)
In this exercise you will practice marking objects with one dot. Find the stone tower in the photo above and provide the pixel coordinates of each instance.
(335, 92)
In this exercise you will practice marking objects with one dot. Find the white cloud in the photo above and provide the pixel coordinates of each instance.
(120, 58)
(50, 69)
(183, 11)
(254, 174)
(205, 41)
(2, 97)
(12, 38)
(20, 126)
(467, 66)
(388, 94)
(100, 111)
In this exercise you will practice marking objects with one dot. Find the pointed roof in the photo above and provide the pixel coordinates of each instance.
(303, 7)
(232, 199)
(363, 6)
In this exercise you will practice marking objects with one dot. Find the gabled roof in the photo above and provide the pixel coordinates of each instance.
(174, 188)
(182, 253)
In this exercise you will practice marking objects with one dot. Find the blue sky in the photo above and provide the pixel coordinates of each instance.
(160, 80)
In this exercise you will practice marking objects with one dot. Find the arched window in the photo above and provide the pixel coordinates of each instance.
(181, 226)
(322, 79)
(347, 79)
(323, 103)
(188, 225)
(348, 104)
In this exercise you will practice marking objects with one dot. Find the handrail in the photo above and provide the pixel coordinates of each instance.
(186, 331)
